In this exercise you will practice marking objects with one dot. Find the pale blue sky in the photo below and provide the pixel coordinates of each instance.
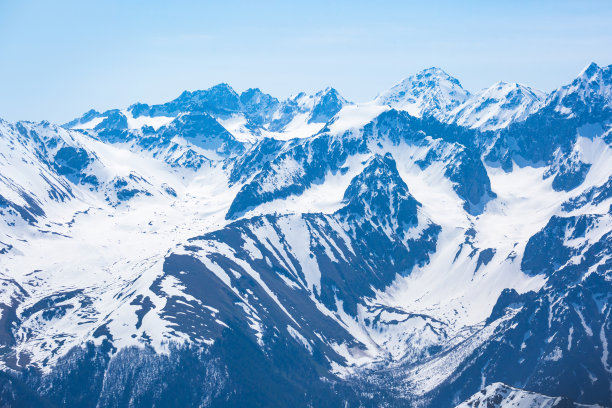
(61, 58)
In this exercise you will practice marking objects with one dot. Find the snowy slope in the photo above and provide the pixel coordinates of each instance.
(502, 396)
(497, 106)
(590, 91)
(337, 250)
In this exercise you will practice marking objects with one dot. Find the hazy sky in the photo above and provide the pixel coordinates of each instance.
(61, 58)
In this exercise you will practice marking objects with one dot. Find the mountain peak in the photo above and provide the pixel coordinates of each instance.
(590, 70)
(497, 106)
(501, 84)
(219, 89)
(593, 73)
(252, 91)
(258, 105)
(430, 77)
(590, 92)
(379, 192)
(434, 71)
(223, 86)
(326, 103)
(85, 118)
(513, 88)
(219, 99)
(430, 92)
(328, 91)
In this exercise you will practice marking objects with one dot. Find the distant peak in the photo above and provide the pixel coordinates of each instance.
(513, 87)
(253, 91)
(327, 103)
(380, 193)
(428, 78)
(318, 94)
(332, 93)
(589, 92)
(430, 92)
(590, 70)
(215, 89)
(223, 87)
(501, 84)
(433, 71)
(328, 90)
(185, 93)
(253, 94)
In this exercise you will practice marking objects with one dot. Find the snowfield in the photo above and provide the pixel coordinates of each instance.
(409, 243)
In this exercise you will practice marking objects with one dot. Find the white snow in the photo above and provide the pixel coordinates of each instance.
(90, 124)
(429, 92)
(299, 338)
(497, 106)
(298, 128)
(499, 395)
(236, 125)
(121, 248)
(153, 121)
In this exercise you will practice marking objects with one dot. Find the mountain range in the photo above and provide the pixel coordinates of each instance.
(432, 247)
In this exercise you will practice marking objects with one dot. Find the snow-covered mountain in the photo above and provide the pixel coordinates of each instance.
(248, 116)
(589, 94)
(431, 92)
(499, 395)
(497, 106)
(227, 249)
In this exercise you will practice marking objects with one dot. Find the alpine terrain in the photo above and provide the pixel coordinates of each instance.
(430, 248)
